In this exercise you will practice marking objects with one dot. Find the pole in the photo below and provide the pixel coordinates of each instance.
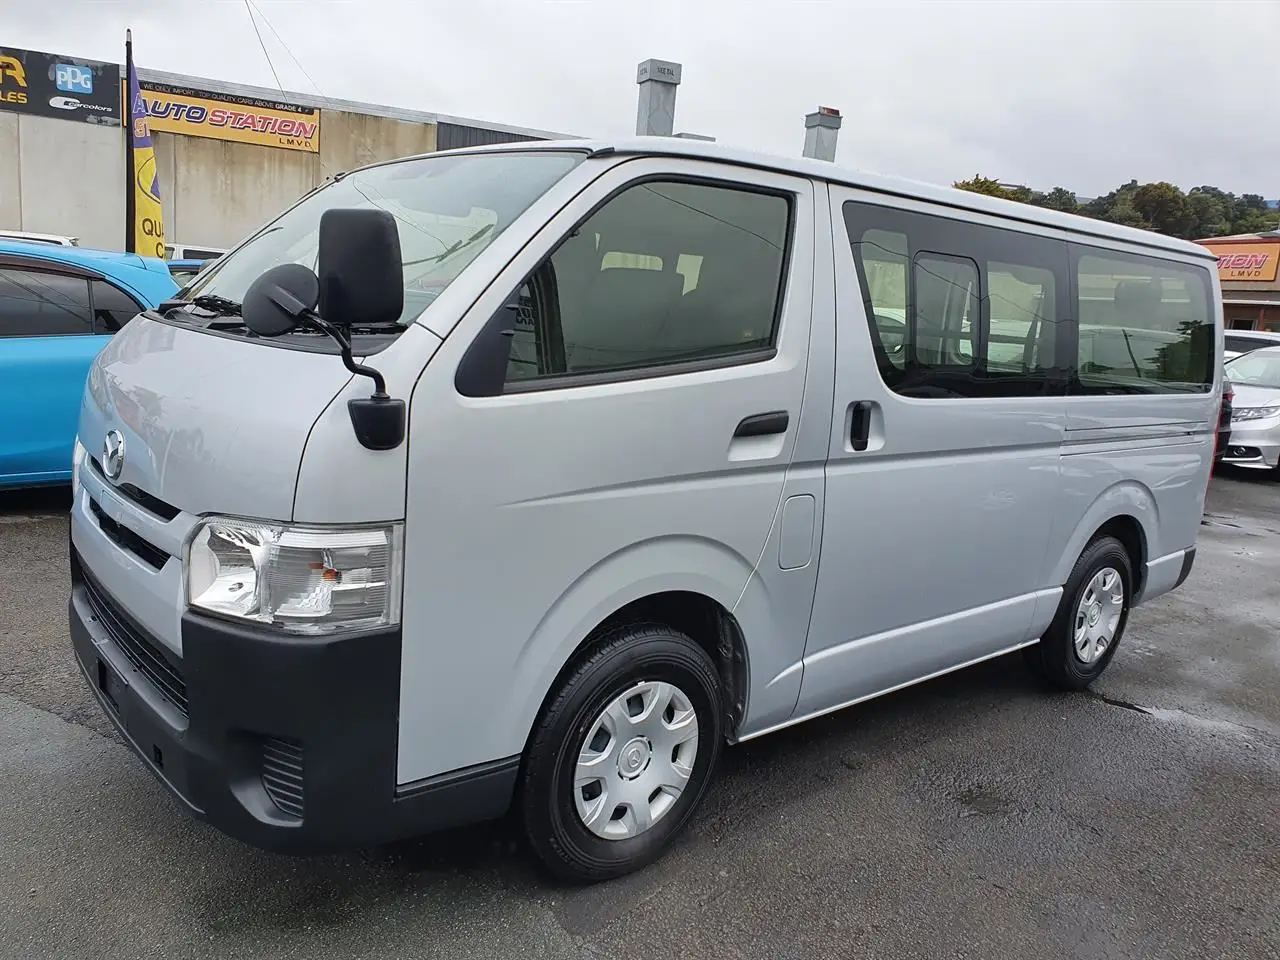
(130, 200)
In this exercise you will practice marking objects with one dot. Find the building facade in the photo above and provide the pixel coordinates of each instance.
(1247, 268)
(228, 156)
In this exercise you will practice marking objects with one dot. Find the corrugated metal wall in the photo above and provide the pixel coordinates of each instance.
(450, 136)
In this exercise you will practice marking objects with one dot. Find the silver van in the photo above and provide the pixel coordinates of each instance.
(526, 478)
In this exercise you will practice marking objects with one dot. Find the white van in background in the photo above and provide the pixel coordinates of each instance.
(187, 251)
(651, 447)
(51, 238)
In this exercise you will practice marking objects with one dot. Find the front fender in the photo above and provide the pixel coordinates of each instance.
(663, 564)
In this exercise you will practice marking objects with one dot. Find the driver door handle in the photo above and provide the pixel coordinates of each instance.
(763, 425)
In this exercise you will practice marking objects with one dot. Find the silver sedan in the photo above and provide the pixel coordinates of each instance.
(1255, 419)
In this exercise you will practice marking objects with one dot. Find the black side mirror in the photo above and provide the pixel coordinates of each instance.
(280, 300)
(360, 269)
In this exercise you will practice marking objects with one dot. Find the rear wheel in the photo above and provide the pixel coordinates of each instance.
(1091, 618)
(623, 754)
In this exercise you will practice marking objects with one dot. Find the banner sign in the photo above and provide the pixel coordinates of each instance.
(144, 233)
(1246, 261)
(65, 88)
(218, 116)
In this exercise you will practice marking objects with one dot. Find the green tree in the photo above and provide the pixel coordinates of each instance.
(986, 186)
(1060, 198)
(1165, 207)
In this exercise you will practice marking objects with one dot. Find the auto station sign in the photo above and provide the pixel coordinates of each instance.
(40, 84)
(1244, 262)
(219, 116)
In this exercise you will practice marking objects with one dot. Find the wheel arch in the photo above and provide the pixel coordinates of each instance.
(1126, 511)
(690, 584)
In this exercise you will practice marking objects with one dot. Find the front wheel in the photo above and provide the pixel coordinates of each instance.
(622, 754)
(1090, 620)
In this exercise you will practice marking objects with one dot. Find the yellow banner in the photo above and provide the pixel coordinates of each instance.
(146, 233)
(196, 113)
(1246, 261)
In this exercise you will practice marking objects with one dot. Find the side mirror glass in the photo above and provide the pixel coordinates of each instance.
(277, 301)
(361, 273)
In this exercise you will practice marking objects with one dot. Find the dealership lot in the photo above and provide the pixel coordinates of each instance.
(969, 817)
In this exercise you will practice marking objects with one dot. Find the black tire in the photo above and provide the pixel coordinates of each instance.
(1054, 658)
(623, 657)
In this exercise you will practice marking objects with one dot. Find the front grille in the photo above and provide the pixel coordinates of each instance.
(141, 650)
(126, 539)
(146, 501)
(282, 773)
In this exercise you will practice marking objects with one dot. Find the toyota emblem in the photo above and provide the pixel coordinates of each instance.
(113, 454)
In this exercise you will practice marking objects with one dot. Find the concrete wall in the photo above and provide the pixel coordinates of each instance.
(216, 192)
(10, 178)
(70, 179)
(350, 140)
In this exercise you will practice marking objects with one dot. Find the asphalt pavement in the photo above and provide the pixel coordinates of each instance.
(970, 817)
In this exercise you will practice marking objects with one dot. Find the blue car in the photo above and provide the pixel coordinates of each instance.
(58, 307)
(184, 271)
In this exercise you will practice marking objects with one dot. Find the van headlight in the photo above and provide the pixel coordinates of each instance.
(307, 580)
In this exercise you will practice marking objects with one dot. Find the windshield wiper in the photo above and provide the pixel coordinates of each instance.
(216, 304)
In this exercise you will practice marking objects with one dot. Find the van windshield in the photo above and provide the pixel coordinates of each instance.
(448, 209)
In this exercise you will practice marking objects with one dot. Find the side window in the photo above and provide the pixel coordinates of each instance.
(112, 307)
(664, 272)
(946, 311)
(958, 309)
(36, 303)
(1145, 325)
(884, 260)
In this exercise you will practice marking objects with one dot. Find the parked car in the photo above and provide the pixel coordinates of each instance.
(59, 305)
(184, 271)
(1255, 419)
(50, 238)
(1237, 342)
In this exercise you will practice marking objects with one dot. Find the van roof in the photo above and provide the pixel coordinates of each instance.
(822, 170)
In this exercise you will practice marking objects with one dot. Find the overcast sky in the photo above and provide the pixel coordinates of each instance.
(1080, 93)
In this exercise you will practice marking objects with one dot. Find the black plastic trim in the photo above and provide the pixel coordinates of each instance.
(336, 699)
(1188, 561)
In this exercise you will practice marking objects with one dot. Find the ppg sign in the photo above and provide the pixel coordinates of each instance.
(71, 78)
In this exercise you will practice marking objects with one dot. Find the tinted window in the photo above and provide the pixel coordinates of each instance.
(957, 309)
(1245, 344)
(112, 307)
(663, 272)
(34, 303)
(1145, 325)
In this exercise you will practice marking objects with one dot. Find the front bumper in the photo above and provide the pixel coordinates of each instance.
(1254, 444)
(287, 744)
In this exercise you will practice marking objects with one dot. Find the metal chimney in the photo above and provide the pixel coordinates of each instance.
(656, 116)
(820, 132)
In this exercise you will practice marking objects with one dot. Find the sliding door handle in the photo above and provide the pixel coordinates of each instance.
(860, 424)
(763, 425)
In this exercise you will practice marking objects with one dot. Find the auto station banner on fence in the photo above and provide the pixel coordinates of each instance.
(218, 116)
(64, 88)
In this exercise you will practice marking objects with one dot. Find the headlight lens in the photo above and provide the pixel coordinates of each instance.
(77, 458)
(307, 580)
(1255, 413)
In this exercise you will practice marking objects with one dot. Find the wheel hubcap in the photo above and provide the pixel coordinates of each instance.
(1098, 615)
(636, 760)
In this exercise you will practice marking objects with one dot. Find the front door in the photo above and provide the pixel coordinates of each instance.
(613, 419)
(943, 467)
